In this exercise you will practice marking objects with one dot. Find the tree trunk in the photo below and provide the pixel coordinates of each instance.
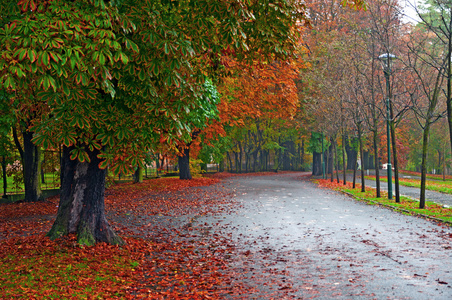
(351, 154)
(377, 163)
(344, 166)
(329, 160)
(449, 83)
(316, 164)
(394, 157)
(41, 168)
(424, 165)
(337, 161)
(361, 153)
(332, 159)
(138, 175)
(302, 155)
(81, 209)
(184, 164)
(221, 166)
(32, 169)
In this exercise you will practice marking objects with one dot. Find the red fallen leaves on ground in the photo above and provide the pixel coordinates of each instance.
(326, 183)
(160, 261)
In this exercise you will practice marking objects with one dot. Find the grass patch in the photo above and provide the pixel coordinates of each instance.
(406, 205)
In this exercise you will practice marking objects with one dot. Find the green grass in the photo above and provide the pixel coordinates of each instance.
(51, 182)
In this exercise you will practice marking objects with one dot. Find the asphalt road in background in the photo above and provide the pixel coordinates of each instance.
(320, 244)
(412, 192)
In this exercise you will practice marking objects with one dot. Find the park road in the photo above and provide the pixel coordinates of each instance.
(320, 244)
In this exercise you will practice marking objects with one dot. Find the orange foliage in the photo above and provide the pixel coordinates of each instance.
(260, 91)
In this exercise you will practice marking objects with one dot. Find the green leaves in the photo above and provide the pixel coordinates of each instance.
(124, 76)
(80, 154)
(9, 83)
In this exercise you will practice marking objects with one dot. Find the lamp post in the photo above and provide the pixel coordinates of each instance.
(386, 59)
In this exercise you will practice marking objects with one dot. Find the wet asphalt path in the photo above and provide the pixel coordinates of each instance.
(323, 245)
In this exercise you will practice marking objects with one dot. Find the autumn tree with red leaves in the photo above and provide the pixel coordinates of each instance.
(109, 79)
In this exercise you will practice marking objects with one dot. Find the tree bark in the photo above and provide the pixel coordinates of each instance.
(351, 154)
(138, 176)
(377, 164)
(424, 165)
(394, 156)
(316, 164)
(337, 161)
(449, 82)
(30, 155)
(332, 159)
(81, 209)
(361, 153)
(344, 166)
(184, 164)
(32, 169)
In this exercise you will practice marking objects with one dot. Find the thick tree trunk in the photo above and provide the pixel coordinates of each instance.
(81, 209)
(138, 175)
(184, 164)
(32, 169)
(316, 164)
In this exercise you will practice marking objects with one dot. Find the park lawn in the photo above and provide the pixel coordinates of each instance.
(406, 204)
(51, 182)
(438, 186)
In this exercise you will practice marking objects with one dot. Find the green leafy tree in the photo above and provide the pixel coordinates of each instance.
(6, 121)
(205, 111)
(110, 80)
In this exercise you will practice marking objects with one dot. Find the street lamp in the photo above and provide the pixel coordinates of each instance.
(386, 59)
